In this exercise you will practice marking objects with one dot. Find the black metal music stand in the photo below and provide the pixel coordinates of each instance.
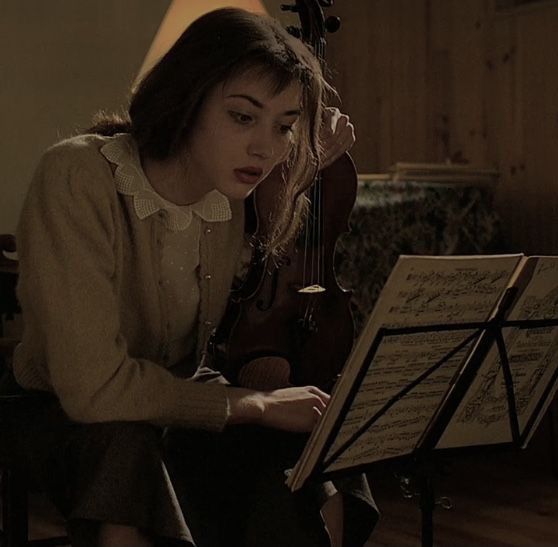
(485, 335)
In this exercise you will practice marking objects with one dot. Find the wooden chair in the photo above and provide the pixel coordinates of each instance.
(14, 402)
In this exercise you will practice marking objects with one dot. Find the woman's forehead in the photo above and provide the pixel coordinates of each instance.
(263, 87)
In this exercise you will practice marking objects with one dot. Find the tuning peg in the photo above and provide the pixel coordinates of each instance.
(332, 24)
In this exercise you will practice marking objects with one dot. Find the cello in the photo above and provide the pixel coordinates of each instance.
(290, 322)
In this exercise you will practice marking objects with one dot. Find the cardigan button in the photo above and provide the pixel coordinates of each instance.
(208, 323)
(208, 230)
(207, 276)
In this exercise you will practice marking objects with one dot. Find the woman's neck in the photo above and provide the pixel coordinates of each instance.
(169, 178)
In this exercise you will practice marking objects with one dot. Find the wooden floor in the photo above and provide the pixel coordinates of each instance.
(499, 500)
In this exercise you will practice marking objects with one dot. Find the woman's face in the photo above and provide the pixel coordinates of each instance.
(243, 131)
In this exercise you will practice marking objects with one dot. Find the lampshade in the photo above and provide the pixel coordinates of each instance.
(179, 15)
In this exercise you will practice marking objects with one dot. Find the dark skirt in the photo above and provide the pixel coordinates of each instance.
(184, 487)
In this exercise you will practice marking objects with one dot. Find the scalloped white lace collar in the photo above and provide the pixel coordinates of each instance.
(131, 181)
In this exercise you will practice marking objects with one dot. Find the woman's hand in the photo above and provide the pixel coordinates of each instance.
(295, 409)
(337, 135)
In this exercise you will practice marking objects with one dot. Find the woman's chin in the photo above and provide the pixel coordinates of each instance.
(238, 192)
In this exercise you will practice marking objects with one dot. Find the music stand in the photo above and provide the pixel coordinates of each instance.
(486, 334)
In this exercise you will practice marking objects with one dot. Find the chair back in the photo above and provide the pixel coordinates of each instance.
(9, 307)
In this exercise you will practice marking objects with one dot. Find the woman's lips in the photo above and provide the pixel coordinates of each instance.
(248, 175)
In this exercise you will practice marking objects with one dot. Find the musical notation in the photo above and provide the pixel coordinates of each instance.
(532, 356)
(398, 361)
(390, 392)
(430, 295)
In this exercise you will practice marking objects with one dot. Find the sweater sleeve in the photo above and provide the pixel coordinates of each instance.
(66, 238)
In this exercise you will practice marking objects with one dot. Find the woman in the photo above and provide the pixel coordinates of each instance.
(129, 241)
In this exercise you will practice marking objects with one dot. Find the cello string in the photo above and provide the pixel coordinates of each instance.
(306, 247)
(319, 236)
(321, 252)
(316, 234)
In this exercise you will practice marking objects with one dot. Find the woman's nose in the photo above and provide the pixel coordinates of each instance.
(261, 145)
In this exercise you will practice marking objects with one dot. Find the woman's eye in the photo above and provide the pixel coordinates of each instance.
(286, 129)
(240, 117)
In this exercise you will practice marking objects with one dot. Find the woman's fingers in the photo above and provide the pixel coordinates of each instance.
(294, 409)
(322, 396)
(290, 409)
(338, 135)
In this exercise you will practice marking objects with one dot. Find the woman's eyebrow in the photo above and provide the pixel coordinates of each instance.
(258, 104)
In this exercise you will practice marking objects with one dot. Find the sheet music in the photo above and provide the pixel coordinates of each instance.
(419, 291)
(482, 418)
(398, 361)
(442, 290)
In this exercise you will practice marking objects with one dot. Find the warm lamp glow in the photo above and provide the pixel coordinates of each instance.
(179, 15)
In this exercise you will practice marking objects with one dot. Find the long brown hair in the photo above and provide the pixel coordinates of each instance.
(220, 45)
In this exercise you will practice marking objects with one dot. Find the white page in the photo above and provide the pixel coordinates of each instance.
(482, 417)
(419, 291)
(399, 361)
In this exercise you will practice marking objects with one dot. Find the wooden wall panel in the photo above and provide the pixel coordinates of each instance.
(507, 139)
(524, 141)
(537, 41)
(382, 84)
(362, 72)
(438, 79)
(408, 52)
(467, 52)
(427, 80)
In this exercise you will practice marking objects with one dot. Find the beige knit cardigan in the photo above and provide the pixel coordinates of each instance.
(96, 323)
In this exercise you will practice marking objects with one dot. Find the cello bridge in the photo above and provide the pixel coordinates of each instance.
(312, 289)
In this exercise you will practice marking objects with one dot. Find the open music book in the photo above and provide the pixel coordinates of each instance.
(392, 388)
